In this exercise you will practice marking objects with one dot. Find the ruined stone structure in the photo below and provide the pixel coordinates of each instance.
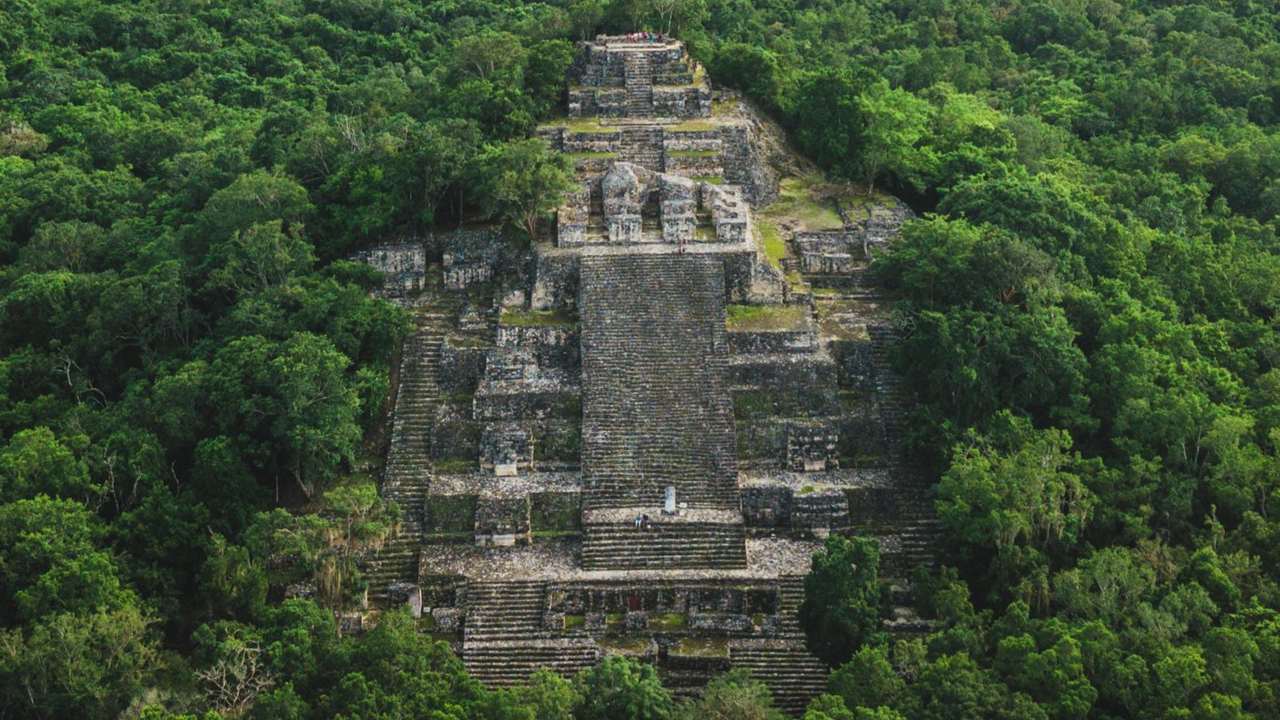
(595, 454)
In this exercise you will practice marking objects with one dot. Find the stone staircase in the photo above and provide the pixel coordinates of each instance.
(505, 610)
(642, 145)
(502, 664)
(793, 675)
(505, 640)
(913, 535)
(406, 479)
(639, 84)
(656, 409)
(664, 545)
(893, 396)
(790, 595)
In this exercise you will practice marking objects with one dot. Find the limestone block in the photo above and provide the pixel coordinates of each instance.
(403, 267)
(812, 446)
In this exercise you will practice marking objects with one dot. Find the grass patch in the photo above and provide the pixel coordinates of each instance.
(455, 466)
(709, 179)
(625, 646)
(590, 155)
(573, 622)
(702, 647)
(805, 200)
(766, 317)
(469, 341)
(537, 318)
(582, 125)
(775, 248)
(667, 622)
(693, 153)
(693, 126)
(797, 282)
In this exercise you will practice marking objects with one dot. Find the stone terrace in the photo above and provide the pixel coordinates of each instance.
(550, 405)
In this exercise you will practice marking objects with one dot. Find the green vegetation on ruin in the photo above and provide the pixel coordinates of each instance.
(194, 379)
(755, 318)
(454, 466)
(590, 155)
(690, 126)
(583, 125)
(701, 647)
(668, 622)
(805, 201)
(632, 646)
(772, 242)
(710, 179)
(574, 622)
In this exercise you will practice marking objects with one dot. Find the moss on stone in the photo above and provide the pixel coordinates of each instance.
(766, 317)
(555, 513)
(693, 126)
(701, 647)
(573, 622)
(771, 241)
(454, 466)
(451, 513)
(667, 622)
(626, 646)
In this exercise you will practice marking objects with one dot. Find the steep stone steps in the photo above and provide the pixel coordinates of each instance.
(396, 562)
(502, 664)
(656, 410)
(406, 478)
(623, 546)
(790, 595)
(892, 395)
(638, 80)
(642, 145)
(506, 610)
(793, 675)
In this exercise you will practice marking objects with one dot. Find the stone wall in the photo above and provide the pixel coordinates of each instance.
(772, 341)
(552, 346)
(403, 267)
(502, 521)
(744, 164)
(555, 512)
(461, 365)
(555, 281)
(832, 252)
(790, 372)
(690, 101)
(470, 255)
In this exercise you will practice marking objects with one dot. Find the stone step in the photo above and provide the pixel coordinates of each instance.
(502, 664)
(793, 675)
(622, 546)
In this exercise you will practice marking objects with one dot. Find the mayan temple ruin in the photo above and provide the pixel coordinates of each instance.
(631, 437)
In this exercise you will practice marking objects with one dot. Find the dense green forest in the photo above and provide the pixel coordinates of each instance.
(192, 379)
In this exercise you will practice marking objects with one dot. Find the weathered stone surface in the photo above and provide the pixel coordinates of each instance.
(403, 267)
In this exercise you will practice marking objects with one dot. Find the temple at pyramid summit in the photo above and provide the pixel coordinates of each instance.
(631, 437)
